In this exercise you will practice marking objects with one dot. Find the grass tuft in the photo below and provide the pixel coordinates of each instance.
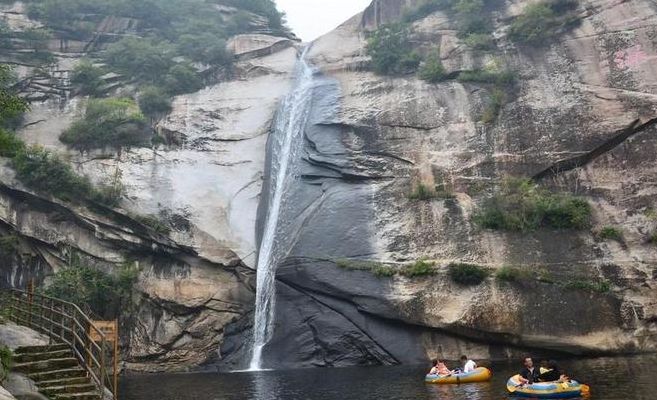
(467, 274)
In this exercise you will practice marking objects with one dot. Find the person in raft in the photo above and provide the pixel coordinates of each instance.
(552, 373)
(439, 368)
(529, 373)
(468, 364)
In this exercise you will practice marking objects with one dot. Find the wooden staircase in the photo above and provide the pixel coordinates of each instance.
(56, 372)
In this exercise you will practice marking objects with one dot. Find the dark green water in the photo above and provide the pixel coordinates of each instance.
(626, 378)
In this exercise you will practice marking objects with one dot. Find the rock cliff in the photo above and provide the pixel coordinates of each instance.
(580, 119)
(204, 182)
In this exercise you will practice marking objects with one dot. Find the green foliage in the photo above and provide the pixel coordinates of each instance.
(591, 286)
(611, 233)
(384, 271)
(522, 205)
(262, 7)
(11, 106)
(422, 192)
(182, 78)
(495, 104)
(424, 9)
(418, 268)
(511, 274)
(45, 172)
(467, 274)
(9, 244)
(391, 51)
(153, 101)
(87, 78)
(479, 41)
(376, 268)
(543, 21)
(432, 70)
(105, 295)
(146, 59)
(468, 6)
(10, 145)
(6, 362)
(110, 122)
(205, 48)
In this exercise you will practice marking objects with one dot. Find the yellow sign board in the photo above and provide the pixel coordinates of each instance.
(108, 328)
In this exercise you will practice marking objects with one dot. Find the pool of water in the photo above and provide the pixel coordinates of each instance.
(626, 378)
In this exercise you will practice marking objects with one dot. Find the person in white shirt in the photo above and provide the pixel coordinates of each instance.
(468, 365)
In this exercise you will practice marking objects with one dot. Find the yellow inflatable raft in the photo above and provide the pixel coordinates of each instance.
(547, 390)
(480, 374)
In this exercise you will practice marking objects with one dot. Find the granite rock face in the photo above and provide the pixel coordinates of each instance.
(582, 119)
(204, 183)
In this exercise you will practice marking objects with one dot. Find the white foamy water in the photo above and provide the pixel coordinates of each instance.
(288, 141)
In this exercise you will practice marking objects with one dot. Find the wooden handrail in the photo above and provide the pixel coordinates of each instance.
(65, 322)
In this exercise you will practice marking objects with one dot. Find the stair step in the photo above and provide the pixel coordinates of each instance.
(49, 355)
(67, 389)
(41, 349)
(45, 365)
(64, 382)
(66, 373)
(78, 396)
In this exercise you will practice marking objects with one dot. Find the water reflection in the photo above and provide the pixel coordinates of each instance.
(609, 378)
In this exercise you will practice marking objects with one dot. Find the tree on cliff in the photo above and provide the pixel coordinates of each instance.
(11, 106)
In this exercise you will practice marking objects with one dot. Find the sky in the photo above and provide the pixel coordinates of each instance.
(310, 19)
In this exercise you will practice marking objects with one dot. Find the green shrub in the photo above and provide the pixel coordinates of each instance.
(384, 271)
(495, 104)
(145, 59)
(479, 41)
(110, 122)
(418, 268)
(205, 48)
(46, 172)
(467, 274)
(424, 9)
(105, 295)
(541, 22)
(182, 78)
(391, 51)
(376, 268)
(87, 78)
(508, 274)
(432, 70)
(11, 106)
(6, 362)
(10, 145)
(611, 233)
(422, 192)
(522, 205)
(591, 286)
(153, 101)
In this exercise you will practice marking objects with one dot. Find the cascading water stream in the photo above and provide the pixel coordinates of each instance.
(287, 141)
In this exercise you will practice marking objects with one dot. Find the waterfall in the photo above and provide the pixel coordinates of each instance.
(287, 141)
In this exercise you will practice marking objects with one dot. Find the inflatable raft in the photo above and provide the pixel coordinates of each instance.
(480, 374)
(547, 390)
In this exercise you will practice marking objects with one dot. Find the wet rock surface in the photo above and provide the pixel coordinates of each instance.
(581, 121)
